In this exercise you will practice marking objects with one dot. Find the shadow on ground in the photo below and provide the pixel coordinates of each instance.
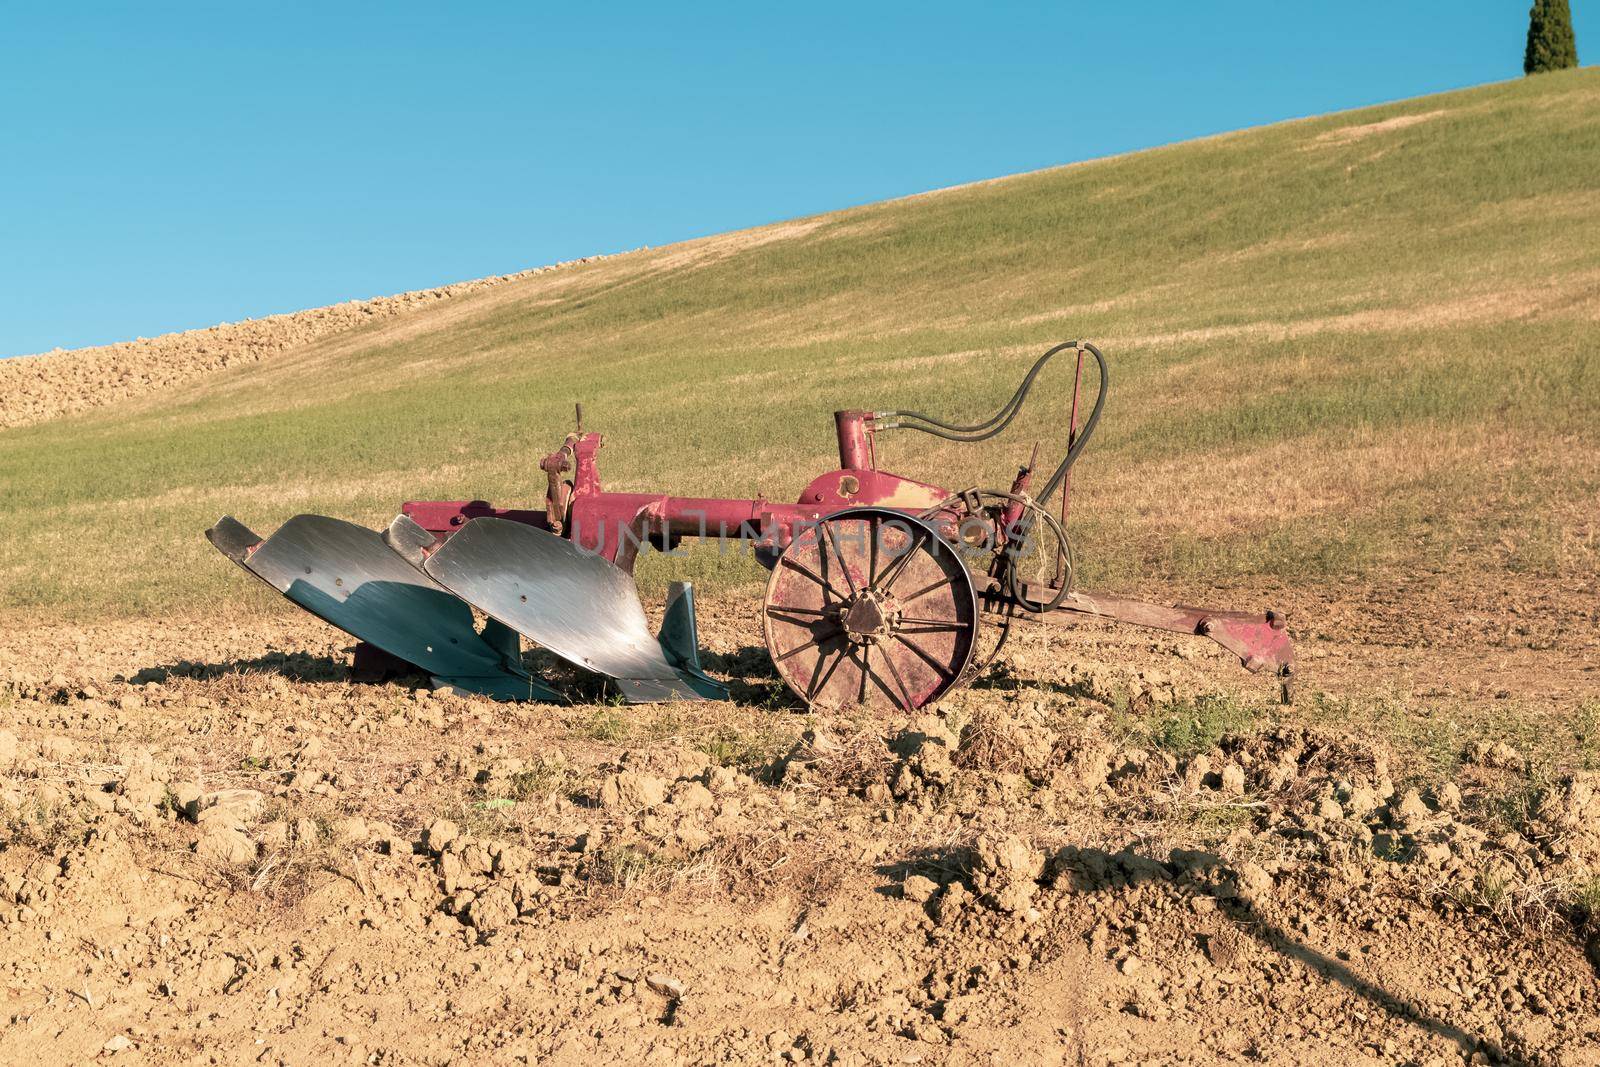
(750, 677)
(1095, 871)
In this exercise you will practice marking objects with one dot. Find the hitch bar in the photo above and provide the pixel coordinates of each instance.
(1260, 641)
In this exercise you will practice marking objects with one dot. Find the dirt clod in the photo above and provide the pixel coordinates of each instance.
(275, 856)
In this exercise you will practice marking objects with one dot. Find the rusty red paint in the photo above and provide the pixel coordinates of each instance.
(1261, 641)
(616, 525)
(443, 517)
(855, 432)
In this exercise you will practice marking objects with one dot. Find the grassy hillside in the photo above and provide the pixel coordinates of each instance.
(1362, 341)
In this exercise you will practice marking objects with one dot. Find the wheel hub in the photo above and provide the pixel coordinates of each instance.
(868, 616)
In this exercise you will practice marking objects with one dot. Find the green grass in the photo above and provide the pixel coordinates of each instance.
(1324, 354)
(745, 749)
(542, 777)
(607, 724)
(1587, 896)
(1197, 726)
(1187, 727)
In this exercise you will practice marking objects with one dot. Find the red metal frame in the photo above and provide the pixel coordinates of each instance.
(615, 525)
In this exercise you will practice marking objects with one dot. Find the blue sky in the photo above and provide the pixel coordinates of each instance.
(171, 165)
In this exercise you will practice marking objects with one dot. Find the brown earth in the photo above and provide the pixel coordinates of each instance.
(36, 388)
(217, 849)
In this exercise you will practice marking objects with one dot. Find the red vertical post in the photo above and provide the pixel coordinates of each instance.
(855, 439)
(1072, 437)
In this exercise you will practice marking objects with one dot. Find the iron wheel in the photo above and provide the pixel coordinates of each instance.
(871, 607)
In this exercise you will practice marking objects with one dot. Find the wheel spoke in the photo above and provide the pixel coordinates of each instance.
(942, 583)
(833, 540)
(866, 672)
(922, 653)
(813, 643)
(900, 683)
(891, 573)
(812, 613)
(939, 624)
(872, 551)
(819, 679)
(813, 575)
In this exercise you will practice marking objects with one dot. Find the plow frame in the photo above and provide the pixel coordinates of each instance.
(618, 527)
(880, 583)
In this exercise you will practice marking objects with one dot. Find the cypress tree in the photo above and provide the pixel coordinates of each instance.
(1551, 45)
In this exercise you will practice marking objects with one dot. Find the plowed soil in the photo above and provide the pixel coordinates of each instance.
(1115, 849)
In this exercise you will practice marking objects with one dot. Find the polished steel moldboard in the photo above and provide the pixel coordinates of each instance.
(581, 607)
(345, 575)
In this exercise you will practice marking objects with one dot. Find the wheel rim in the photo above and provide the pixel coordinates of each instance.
(870, 606)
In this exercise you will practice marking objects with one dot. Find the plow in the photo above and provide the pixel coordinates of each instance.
(884, 591)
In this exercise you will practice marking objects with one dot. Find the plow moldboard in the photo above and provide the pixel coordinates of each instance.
(345, 575)
(581, 607)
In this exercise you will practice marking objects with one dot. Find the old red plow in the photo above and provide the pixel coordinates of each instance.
(884, 591)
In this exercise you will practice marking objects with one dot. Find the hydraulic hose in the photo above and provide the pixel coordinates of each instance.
(996, 423)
